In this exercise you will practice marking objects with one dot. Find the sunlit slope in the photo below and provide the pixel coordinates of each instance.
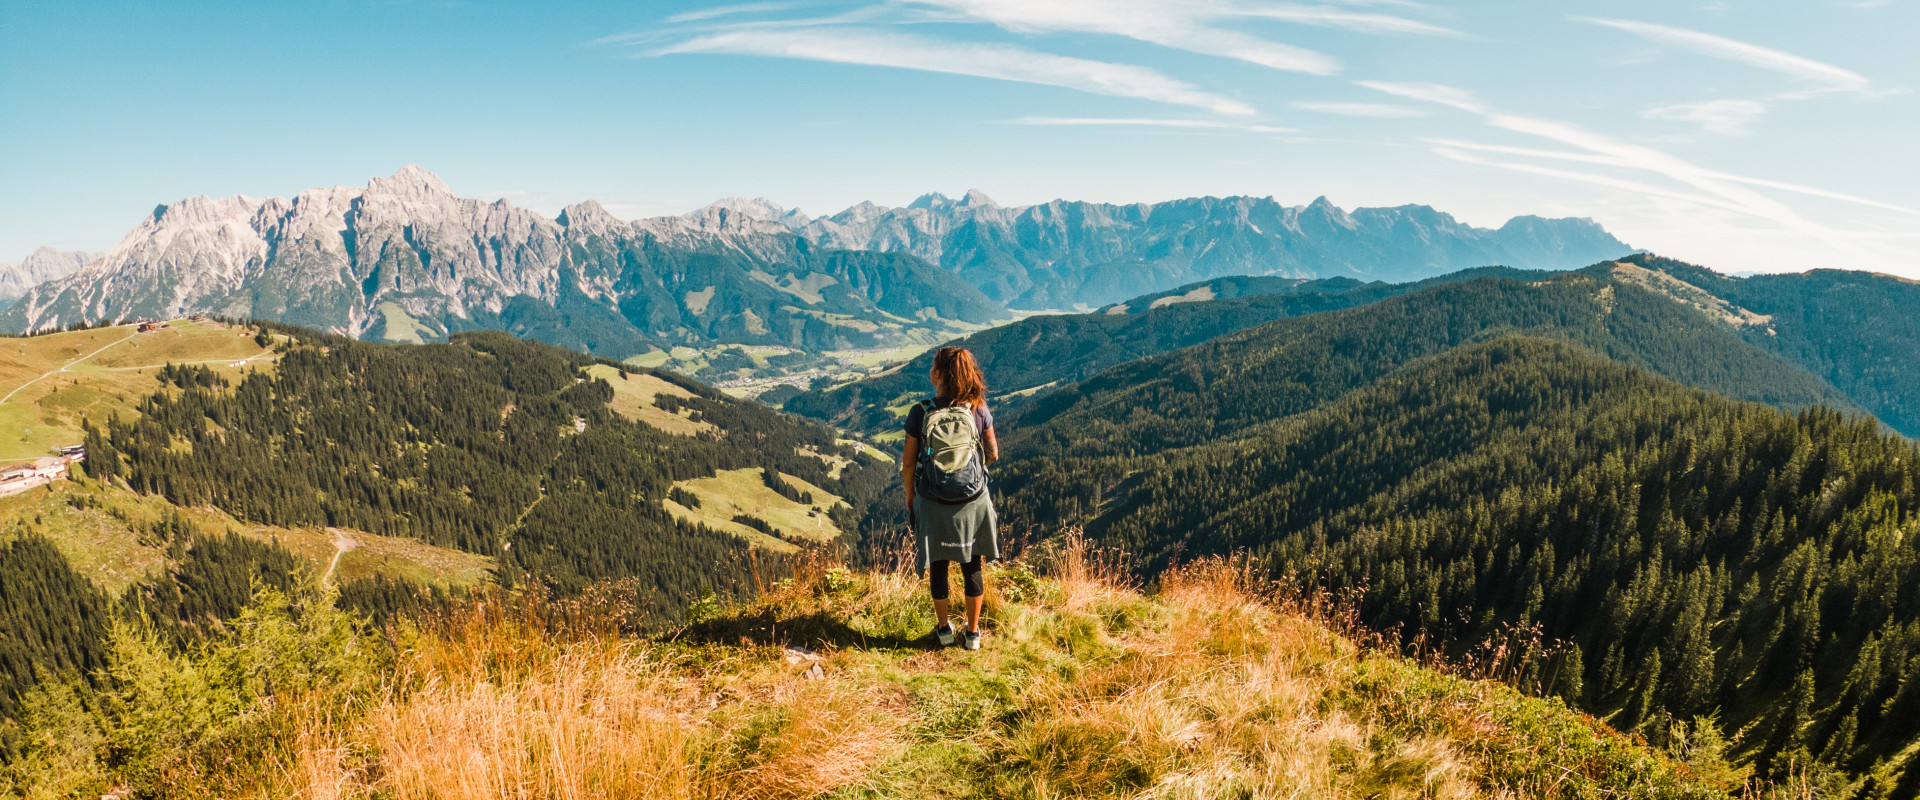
(636, 396)
(722, 499)
(49, 383)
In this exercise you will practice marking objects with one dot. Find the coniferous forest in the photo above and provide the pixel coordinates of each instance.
(1686, 558)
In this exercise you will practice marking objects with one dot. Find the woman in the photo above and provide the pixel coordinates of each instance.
(950, 441)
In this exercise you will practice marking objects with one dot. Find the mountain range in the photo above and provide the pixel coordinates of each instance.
(405, 259)
(1062, 254)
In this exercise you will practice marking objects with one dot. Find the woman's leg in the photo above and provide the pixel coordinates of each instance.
(938, 575)
(976, 587)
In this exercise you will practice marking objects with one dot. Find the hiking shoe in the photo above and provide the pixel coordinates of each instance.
(945, 634)
(973, 640)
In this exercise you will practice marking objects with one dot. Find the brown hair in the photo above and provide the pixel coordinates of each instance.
(958, 376)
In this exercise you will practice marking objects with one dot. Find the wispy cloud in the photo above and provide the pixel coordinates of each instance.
(1592, 158)
(1703, 187)
(1724, 117)
(1361, 22)
(727, 11)
(997, 61)
(1371, 110)
(1150, 122)
(1826, 76)
(1429, 93)
(1179, 24)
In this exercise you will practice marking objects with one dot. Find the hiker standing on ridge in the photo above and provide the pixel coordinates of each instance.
(950, 442)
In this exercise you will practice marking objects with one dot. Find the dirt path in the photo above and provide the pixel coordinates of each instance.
(341, 544)
(63, 367)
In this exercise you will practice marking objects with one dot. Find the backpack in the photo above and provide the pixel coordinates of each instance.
(949, 469)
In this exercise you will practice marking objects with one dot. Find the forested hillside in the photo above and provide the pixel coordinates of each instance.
(1698, 557)
(488, 444)
(1858, 330)
(1384, 325)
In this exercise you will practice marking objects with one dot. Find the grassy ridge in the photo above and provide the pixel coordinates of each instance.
(825, 687)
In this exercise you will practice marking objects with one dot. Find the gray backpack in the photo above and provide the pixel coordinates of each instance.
(949, 469)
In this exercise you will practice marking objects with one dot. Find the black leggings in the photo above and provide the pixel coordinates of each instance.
(969, 570)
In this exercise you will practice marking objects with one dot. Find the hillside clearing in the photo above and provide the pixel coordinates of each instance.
(734, 492)
(634, 395)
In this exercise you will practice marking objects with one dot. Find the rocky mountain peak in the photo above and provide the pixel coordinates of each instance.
(976, 199)
(935, 201)
(411, 181)
(588, 217)
(204, 210)
(45, 264)
(866, 210)
(931, 200)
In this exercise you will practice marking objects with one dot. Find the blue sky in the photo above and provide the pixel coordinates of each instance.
(1743, 136)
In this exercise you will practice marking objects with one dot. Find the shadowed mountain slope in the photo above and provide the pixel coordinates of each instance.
(1858, 330)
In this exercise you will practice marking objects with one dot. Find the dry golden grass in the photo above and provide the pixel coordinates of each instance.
(583, 725)
(505, 699)
(1222, 695)
(1217, 686)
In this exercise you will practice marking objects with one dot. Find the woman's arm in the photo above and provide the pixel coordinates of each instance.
(993, 446)
(906, 466)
